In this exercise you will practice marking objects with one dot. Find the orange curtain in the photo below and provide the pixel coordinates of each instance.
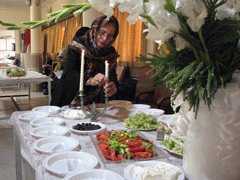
(60, 35)
(131, 42)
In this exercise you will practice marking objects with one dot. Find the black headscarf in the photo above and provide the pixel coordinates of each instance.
(88, 40)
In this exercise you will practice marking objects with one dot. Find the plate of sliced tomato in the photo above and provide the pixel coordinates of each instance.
(125, 146)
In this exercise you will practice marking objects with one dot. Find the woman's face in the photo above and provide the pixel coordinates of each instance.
(105, 35)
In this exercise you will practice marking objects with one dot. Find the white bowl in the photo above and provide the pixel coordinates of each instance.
(29, 116)
(93, 174)
(65, 163)
(50, 145)
(103, 127)
(47, 121)
(45, 131)
(164, 119)
(50, 109)
(154, 112)
(138, 106)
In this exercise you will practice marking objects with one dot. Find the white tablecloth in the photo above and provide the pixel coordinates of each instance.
(113, 119)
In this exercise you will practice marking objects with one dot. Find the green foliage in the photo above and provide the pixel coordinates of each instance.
(206, 65)
(76, 9)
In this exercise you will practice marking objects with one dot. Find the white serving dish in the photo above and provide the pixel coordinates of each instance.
(129, 170)
(51, 145)
(73, 114)
(47, 121)
(103, 127)
(65, 163)
(29, 116)
(138, 106)
(93, 174)
(153, 111)
(46, 131)
(166, 118)
(50, 109)
(119, 103)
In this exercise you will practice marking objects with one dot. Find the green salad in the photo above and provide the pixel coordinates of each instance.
(141, 121)
(15, 72)
(173, 146)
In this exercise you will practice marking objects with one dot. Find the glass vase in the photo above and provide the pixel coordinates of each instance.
(212, 145)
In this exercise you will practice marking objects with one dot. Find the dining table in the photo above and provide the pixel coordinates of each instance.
(113, 119)
(29, 78)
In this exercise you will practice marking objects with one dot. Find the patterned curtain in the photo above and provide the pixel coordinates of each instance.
(131, 42)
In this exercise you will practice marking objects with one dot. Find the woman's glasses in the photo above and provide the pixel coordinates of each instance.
(104, 34)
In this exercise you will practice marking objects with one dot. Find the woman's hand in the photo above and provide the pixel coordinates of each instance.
(98, 80)
(110, 88)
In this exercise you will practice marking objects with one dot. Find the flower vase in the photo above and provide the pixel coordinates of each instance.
(212, 145)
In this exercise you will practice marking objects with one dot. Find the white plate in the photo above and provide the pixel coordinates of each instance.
(50, 109)
(29, 116)
(93, 174)
(138, 106)
(69, 162)
(164, 119)
(73, 114)
(67, 108)
(45, 131)
(154, 112)
(120, 103)
(89, 131)
(129, 170)
(51, 145)
(47, 121)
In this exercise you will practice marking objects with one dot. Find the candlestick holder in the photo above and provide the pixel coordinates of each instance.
(92, 113)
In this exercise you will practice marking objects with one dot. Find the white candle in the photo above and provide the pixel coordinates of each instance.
(82, 71)
(106, 69)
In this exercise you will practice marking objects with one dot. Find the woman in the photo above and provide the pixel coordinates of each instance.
(97, 44)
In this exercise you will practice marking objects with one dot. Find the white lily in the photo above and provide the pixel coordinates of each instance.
(134, 8)
(196, 12)
(180, 43)
(230, 9)
(103, 6)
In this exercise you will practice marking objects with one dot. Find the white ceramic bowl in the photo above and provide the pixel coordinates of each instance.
(50, 109)
(85, 132)
(138, 106)
(65, 163)
(73, 114)
(29, 116)
(93, 174)
(46, 131)
(47, 121)
(50, 145)
(154, 112)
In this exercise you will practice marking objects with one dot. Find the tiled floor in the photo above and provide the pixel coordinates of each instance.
(7, 156)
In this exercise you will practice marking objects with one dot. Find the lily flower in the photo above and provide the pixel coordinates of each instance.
(230, 9)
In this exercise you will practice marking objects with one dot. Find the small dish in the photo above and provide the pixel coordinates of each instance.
(138, 106)
(130, 175)
(153, 111)
(85, 132)
(50, 109)
(94, 174)
(65, 163)
(50, 145)
(46, 131)
(119, 103)
(73, 114)
(29, 116)
(47, 121)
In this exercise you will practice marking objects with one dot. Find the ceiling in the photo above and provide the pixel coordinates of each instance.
(14, 3)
